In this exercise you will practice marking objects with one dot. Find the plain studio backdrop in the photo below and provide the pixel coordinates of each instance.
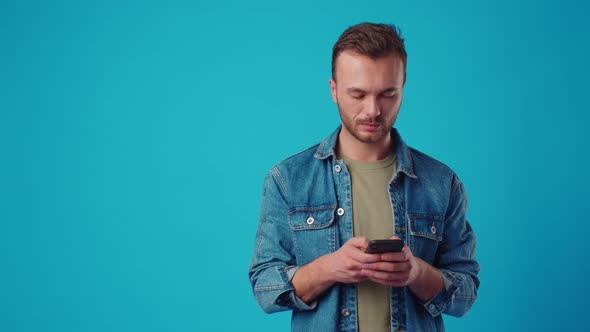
(135, 137)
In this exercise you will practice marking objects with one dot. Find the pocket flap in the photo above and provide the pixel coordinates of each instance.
(311, 217)
(427, 226)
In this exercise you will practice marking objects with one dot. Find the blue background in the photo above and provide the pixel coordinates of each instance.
(135, 136)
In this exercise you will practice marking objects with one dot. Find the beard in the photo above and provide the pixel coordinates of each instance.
(354, 127)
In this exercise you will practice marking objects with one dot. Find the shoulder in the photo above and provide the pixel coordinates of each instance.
(422, 161)
(437, 181)
(296, 168)
(298, 159)
(302, 174)
(432, 172)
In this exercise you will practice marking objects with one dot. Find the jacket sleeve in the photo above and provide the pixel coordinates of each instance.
(456, 259)
(273, 263)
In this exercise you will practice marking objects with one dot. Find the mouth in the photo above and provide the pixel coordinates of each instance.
(370, 126)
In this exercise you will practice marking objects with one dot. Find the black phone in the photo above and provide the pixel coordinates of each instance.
(382, 246)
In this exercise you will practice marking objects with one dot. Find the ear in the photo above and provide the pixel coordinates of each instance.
(404, 78)
(333, 90)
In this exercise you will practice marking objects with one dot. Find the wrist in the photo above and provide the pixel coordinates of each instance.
(323, 274)
(427, 282)
(311, 280)
(420, 271)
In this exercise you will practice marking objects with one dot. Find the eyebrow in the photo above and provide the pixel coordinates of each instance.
(358, 90)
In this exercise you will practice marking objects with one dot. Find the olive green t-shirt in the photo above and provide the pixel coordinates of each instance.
(373, 218)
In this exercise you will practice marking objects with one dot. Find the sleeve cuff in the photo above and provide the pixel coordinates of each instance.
(440, 301)
(290, 270)
(288, 298)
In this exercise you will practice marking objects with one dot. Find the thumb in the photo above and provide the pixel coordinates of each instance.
(359, 242)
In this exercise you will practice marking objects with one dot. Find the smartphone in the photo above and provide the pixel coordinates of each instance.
(381, 246)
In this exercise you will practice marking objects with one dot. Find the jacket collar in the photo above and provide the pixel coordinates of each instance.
(404, 157)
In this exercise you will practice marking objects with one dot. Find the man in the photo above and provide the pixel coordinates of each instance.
(321, 207)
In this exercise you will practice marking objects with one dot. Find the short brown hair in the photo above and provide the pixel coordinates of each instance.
(370, 39)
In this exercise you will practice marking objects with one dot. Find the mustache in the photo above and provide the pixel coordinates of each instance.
(370, 121)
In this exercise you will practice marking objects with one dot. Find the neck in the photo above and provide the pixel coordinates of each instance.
(352, 148)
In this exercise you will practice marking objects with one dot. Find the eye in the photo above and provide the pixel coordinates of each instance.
(389, 95)
(357, 96)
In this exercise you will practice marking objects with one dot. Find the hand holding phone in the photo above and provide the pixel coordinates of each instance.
(382, 246)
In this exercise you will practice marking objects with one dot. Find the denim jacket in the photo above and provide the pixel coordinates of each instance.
(306, 212)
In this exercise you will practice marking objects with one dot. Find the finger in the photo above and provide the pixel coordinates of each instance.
(389, 276)
(365, 258)
(388, 267)
(356, 275)
(360, 242)
(354, 260)
(401, 256)
(395, 237)
(395, 283)
(407, 250)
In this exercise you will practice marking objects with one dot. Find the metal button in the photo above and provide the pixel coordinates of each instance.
(433, 229)
(310, 220)
(431, 307)
(340, 211)
(337, 168)
(345, 312)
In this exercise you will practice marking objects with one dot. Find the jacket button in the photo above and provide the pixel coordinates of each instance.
(345, 312)
(310, 220)
(340, 211)
(431, 306)
(337, 168)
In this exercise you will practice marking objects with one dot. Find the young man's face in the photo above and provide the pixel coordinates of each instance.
(368, 93)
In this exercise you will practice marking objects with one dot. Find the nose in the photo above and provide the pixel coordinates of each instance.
(372, 108)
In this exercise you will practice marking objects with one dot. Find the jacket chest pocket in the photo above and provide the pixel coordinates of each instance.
(314, 231)
(426, 232)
